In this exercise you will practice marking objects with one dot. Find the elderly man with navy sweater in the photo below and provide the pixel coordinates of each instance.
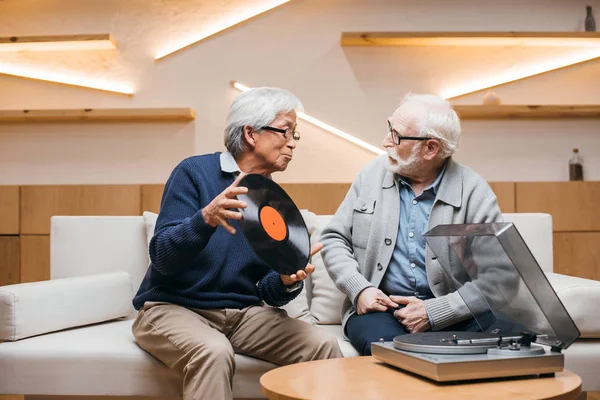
(202, 298)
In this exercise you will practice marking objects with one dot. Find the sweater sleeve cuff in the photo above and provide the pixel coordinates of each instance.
(200, 226)
(355, 285)
(274, 291)
(439, 312)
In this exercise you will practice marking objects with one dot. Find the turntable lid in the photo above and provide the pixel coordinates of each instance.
(500, 281)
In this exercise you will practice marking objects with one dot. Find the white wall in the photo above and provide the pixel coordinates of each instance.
(295, 46)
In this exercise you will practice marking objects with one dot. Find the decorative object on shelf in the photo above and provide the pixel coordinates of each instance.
(491, 98)
(590, 23)
(576, 167)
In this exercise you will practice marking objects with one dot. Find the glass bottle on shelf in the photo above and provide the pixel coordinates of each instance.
(590, 23)
(576, 167)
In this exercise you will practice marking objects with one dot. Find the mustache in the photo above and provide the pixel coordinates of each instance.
(392, 154)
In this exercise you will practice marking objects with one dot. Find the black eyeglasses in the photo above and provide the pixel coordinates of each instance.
(284, 132)
(397, 138)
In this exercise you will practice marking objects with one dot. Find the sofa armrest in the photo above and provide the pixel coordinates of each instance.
(581, 298)
(30, 309)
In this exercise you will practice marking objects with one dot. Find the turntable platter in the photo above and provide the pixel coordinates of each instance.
(445, 342)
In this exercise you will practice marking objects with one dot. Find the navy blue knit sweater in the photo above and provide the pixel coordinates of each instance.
(195, 265)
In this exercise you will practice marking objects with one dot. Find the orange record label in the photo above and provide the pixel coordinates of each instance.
(273, 223)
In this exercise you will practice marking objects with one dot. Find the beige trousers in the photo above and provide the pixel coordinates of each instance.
(201, 343)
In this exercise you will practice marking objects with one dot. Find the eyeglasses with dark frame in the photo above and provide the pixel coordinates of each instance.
(397, 138)
(284, 132)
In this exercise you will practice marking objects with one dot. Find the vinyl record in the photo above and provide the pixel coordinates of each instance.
(273, 225)
(446, 342)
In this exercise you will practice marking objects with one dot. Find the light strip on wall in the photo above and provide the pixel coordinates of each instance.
(325, 126)
(521, 73)
(220, 25)
(23, 72)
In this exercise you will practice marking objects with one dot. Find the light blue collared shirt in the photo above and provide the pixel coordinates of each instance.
(228, 163)
(406, 274)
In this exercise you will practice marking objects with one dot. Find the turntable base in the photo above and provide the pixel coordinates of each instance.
(460, 367)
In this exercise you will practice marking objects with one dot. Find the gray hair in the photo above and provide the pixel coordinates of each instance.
(256, 108)
(433, 117)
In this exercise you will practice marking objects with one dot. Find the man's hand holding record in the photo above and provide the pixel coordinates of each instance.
(302, 274)
(219, 210)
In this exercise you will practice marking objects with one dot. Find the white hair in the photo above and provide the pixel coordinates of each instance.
(433, 117)
(256, 108)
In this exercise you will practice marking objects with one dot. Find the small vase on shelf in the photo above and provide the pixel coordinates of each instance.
(576, 167)
(590, 23)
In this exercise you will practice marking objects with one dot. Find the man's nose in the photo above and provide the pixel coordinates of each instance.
(387, 141)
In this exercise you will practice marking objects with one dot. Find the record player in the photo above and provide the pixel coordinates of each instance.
(522, 326)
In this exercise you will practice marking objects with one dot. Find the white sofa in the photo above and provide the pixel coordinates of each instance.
(72, 335)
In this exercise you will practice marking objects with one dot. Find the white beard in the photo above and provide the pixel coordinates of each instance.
(404, 167)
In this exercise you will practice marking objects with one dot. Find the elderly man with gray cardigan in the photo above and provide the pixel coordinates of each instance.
(374, 249)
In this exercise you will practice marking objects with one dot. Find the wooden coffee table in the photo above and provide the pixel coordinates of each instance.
(365, 378)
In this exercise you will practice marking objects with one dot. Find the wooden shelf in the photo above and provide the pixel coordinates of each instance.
(98, 114)
(103, 41)
(470, 39)
(527, 111)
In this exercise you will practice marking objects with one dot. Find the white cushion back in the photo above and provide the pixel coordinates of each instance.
(536, 231)
(326, 302)
(85, 245)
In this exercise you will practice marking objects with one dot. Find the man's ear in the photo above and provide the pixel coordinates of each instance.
(248, 133)
(431, 148)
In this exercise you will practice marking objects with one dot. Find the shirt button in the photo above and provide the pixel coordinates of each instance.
(379, 266)
(417, 294)
(363, 207)
(410, 234)
(414, 202)
(413, 265)
(388, 241)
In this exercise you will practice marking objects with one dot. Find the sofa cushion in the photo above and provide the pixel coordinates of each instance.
(30, 309)
(536, 231)
(150, 224)
(326, 301)
(102, 360)
(581, 298)
(336, 330)
(88, 245)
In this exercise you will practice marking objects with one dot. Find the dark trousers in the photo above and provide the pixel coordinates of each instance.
(362, 330)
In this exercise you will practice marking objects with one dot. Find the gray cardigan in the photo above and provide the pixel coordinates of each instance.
(361, 237)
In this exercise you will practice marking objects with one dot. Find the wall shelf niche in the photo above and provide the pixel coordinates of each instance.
(99, 114)
(103, 41)
(570, 39)
(527, 111)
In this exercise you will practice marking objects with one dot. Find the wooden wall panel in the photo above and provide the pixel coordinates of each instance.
(577, 254)
(320, 198)
(12, 397)
(9, 210)
(151, 196)
(35, 258)
(505, 192)
(324, 198)
(573, 205)
(10, 260)
(39, 203)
